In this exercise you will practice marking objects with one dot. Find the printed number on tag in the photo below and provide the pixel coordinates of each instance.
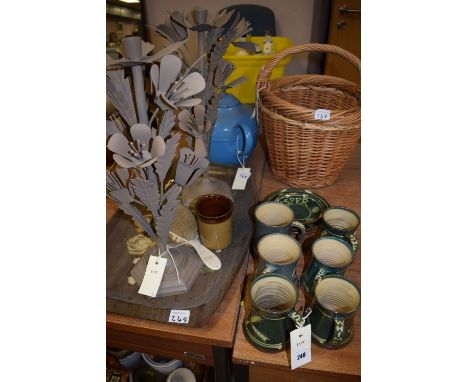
(300, 347)
(179, 316)
(322, 114)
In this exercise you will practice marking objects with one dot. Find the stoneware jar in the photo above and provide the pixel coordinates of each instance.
(235, 132)
(214, 218)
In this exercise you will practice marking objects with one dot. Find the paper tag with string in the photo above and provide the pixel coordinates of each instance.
(242, 176)
(255, 111)
(153, 276)
(243, 173)
(300, 340)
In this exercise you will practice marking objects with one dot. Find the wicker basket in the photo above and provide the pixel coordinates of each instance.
(303, 151)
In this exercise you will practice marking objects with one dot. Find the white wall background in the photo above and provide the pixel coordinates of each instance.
(293, 19)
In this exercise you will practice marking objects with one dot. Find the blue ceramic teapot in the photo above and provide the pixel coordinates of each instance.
(235, 132)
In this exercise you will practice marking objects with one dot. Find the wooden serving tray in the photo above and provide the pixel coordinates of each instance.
(209, 289)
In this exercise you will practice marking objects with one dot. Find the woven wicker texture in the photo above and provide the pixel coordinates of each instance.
(303, 151)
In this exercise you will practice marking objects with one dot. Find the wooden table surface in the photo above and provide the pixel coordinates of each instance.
(143, 335)
(219, 331)
(342, 363)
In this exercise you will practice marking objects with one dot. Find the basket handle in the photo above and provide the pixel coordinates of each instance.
(265, 72)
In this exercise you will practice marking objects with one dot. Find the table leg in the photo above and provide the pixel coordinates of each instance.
(240, 373)
(222, 363)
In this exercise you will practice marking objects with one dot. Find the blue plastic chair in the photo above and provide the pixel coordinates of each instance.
(262, 19)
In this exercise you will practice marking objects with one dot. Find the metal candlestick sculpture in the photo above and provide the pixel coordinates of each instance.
(213, 39)
(147, 176)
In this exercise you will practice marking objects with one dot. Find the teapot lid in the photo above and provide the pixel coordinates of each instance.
(229, 101)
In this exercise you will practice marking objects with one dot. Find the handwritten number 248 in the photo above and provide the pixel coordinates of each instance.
(302, 355)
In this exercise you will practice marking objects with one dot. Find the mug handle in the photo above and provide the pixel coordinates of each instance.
(268, 269)
(298, 231)
(249, 143)
(298, 319)
(321, 272)
(354, 242)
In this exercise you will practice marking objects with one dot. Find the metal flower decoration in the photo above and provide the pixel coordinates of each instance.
(193, 123)
(146, 148)
(213, 39)
(135, 52)
(142, 151)
(172, 92)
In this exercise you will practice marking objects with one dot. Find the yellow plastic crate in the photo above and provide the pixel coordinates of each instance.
(249, 66)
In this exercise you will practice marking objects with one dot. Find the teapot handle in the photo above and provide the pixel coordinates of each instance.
(249, 143)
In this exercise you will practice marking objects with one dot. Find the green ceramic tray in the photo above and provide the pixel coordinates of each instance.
(308, 206)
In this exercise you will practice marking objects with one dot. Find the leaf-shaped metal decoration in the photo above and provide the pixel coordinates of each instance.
(238, 28)
(199, 113)
(144, 190)
(212, 36)
(111, 127)
(121, 196)
(113, 182)
(167, 123)
(186, 121)
(236, 82)
(222, 72)
(164, 163)
(189, 167)
(221, 46)
(212, 108)
(119, 92)
(165, 218)
(177, 18)
(138, 218)
(150, 173)
(167, 50)
(167, 31)
(136, 61)
(222, 17)
(178, 25)
(123, 175)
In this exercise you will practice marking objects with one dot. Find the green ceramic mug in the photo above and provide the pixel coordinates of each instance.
(342, 222)
(330, 255)
(278, 253)
(272, 314)
(276, 217)
(336, 301)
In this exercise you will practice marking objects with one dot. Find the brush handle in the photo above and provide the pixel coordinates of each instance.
(209, 258)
